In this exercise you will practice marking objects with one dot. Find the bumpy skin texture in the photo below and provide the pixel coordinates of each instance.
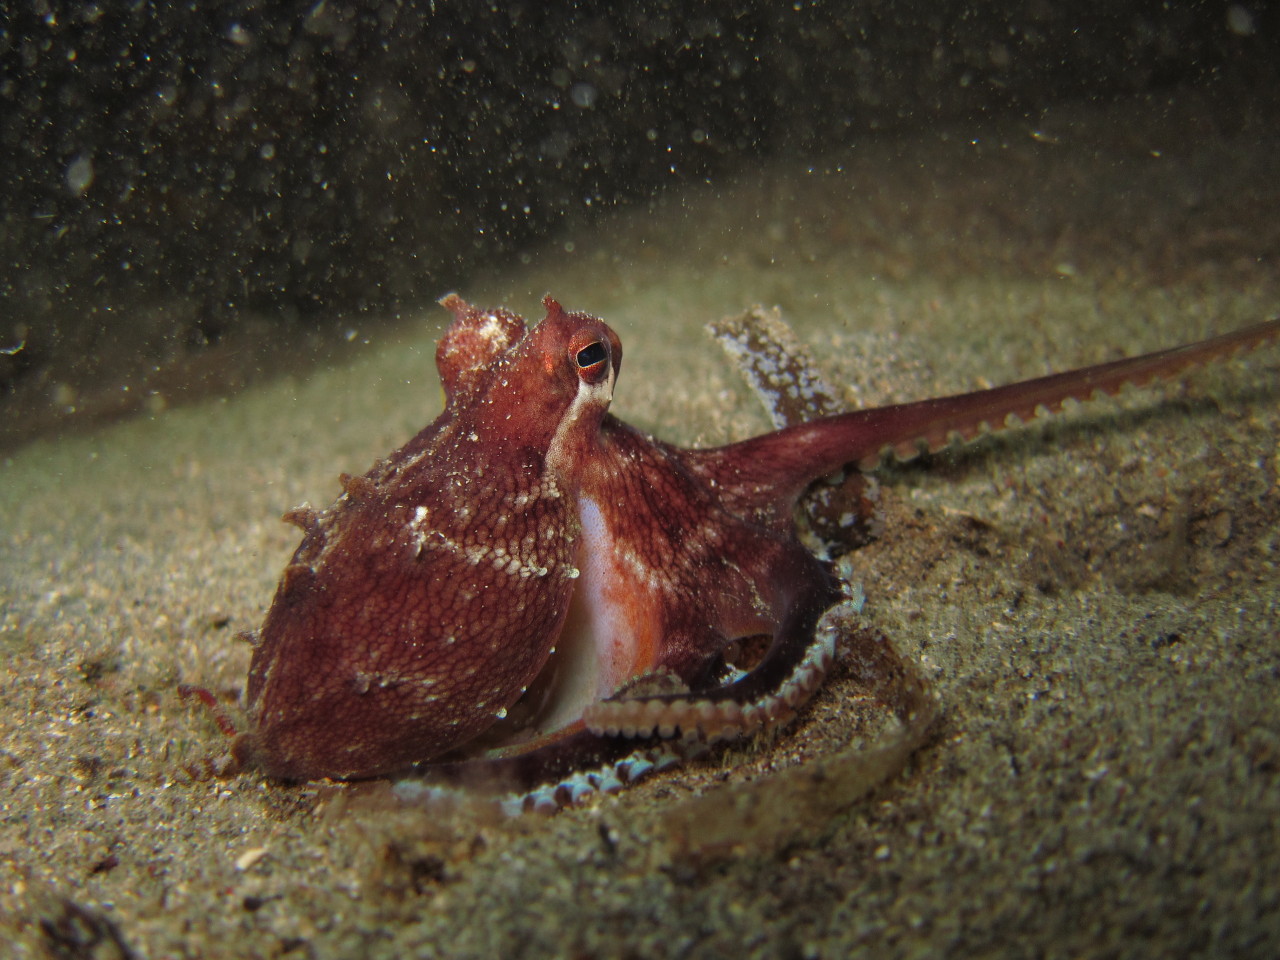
(531, 574)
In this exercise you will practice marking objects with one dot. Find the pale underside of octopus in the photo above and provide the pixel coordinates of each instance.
(533, 601)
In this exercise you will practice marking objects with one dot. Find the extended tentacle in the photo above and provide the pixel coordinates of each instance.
(779, 465)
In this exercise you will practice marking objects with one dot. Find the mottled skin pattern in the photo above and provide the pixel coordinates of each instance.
(532, 582)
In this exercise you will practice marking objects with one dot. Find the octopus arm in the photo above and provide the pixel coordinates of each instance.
(780, 465)
(792, 668)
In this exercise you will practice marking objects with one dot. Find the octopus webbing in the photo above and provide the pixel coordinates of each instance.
(532, 595)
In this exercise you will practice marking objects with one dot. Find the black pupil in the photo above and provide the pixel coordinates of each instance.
(591, 354)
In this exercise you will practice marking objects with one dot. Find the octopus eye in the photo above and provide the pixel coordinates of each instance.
(590, 355)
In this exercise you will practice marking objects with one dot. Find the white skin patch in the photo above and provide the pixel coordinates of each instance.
(597, 649)
(494, 331)
(612, 634)
(416, 528)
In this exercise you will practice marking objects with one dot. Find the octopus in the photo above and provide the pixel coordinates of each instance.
(537, 601)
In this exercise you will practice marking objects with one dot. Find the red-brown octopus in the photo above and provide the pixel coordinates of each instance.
(533, 595)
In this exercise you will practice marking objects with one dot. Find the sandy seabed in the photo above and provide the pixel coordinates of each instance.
(1094, 601)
